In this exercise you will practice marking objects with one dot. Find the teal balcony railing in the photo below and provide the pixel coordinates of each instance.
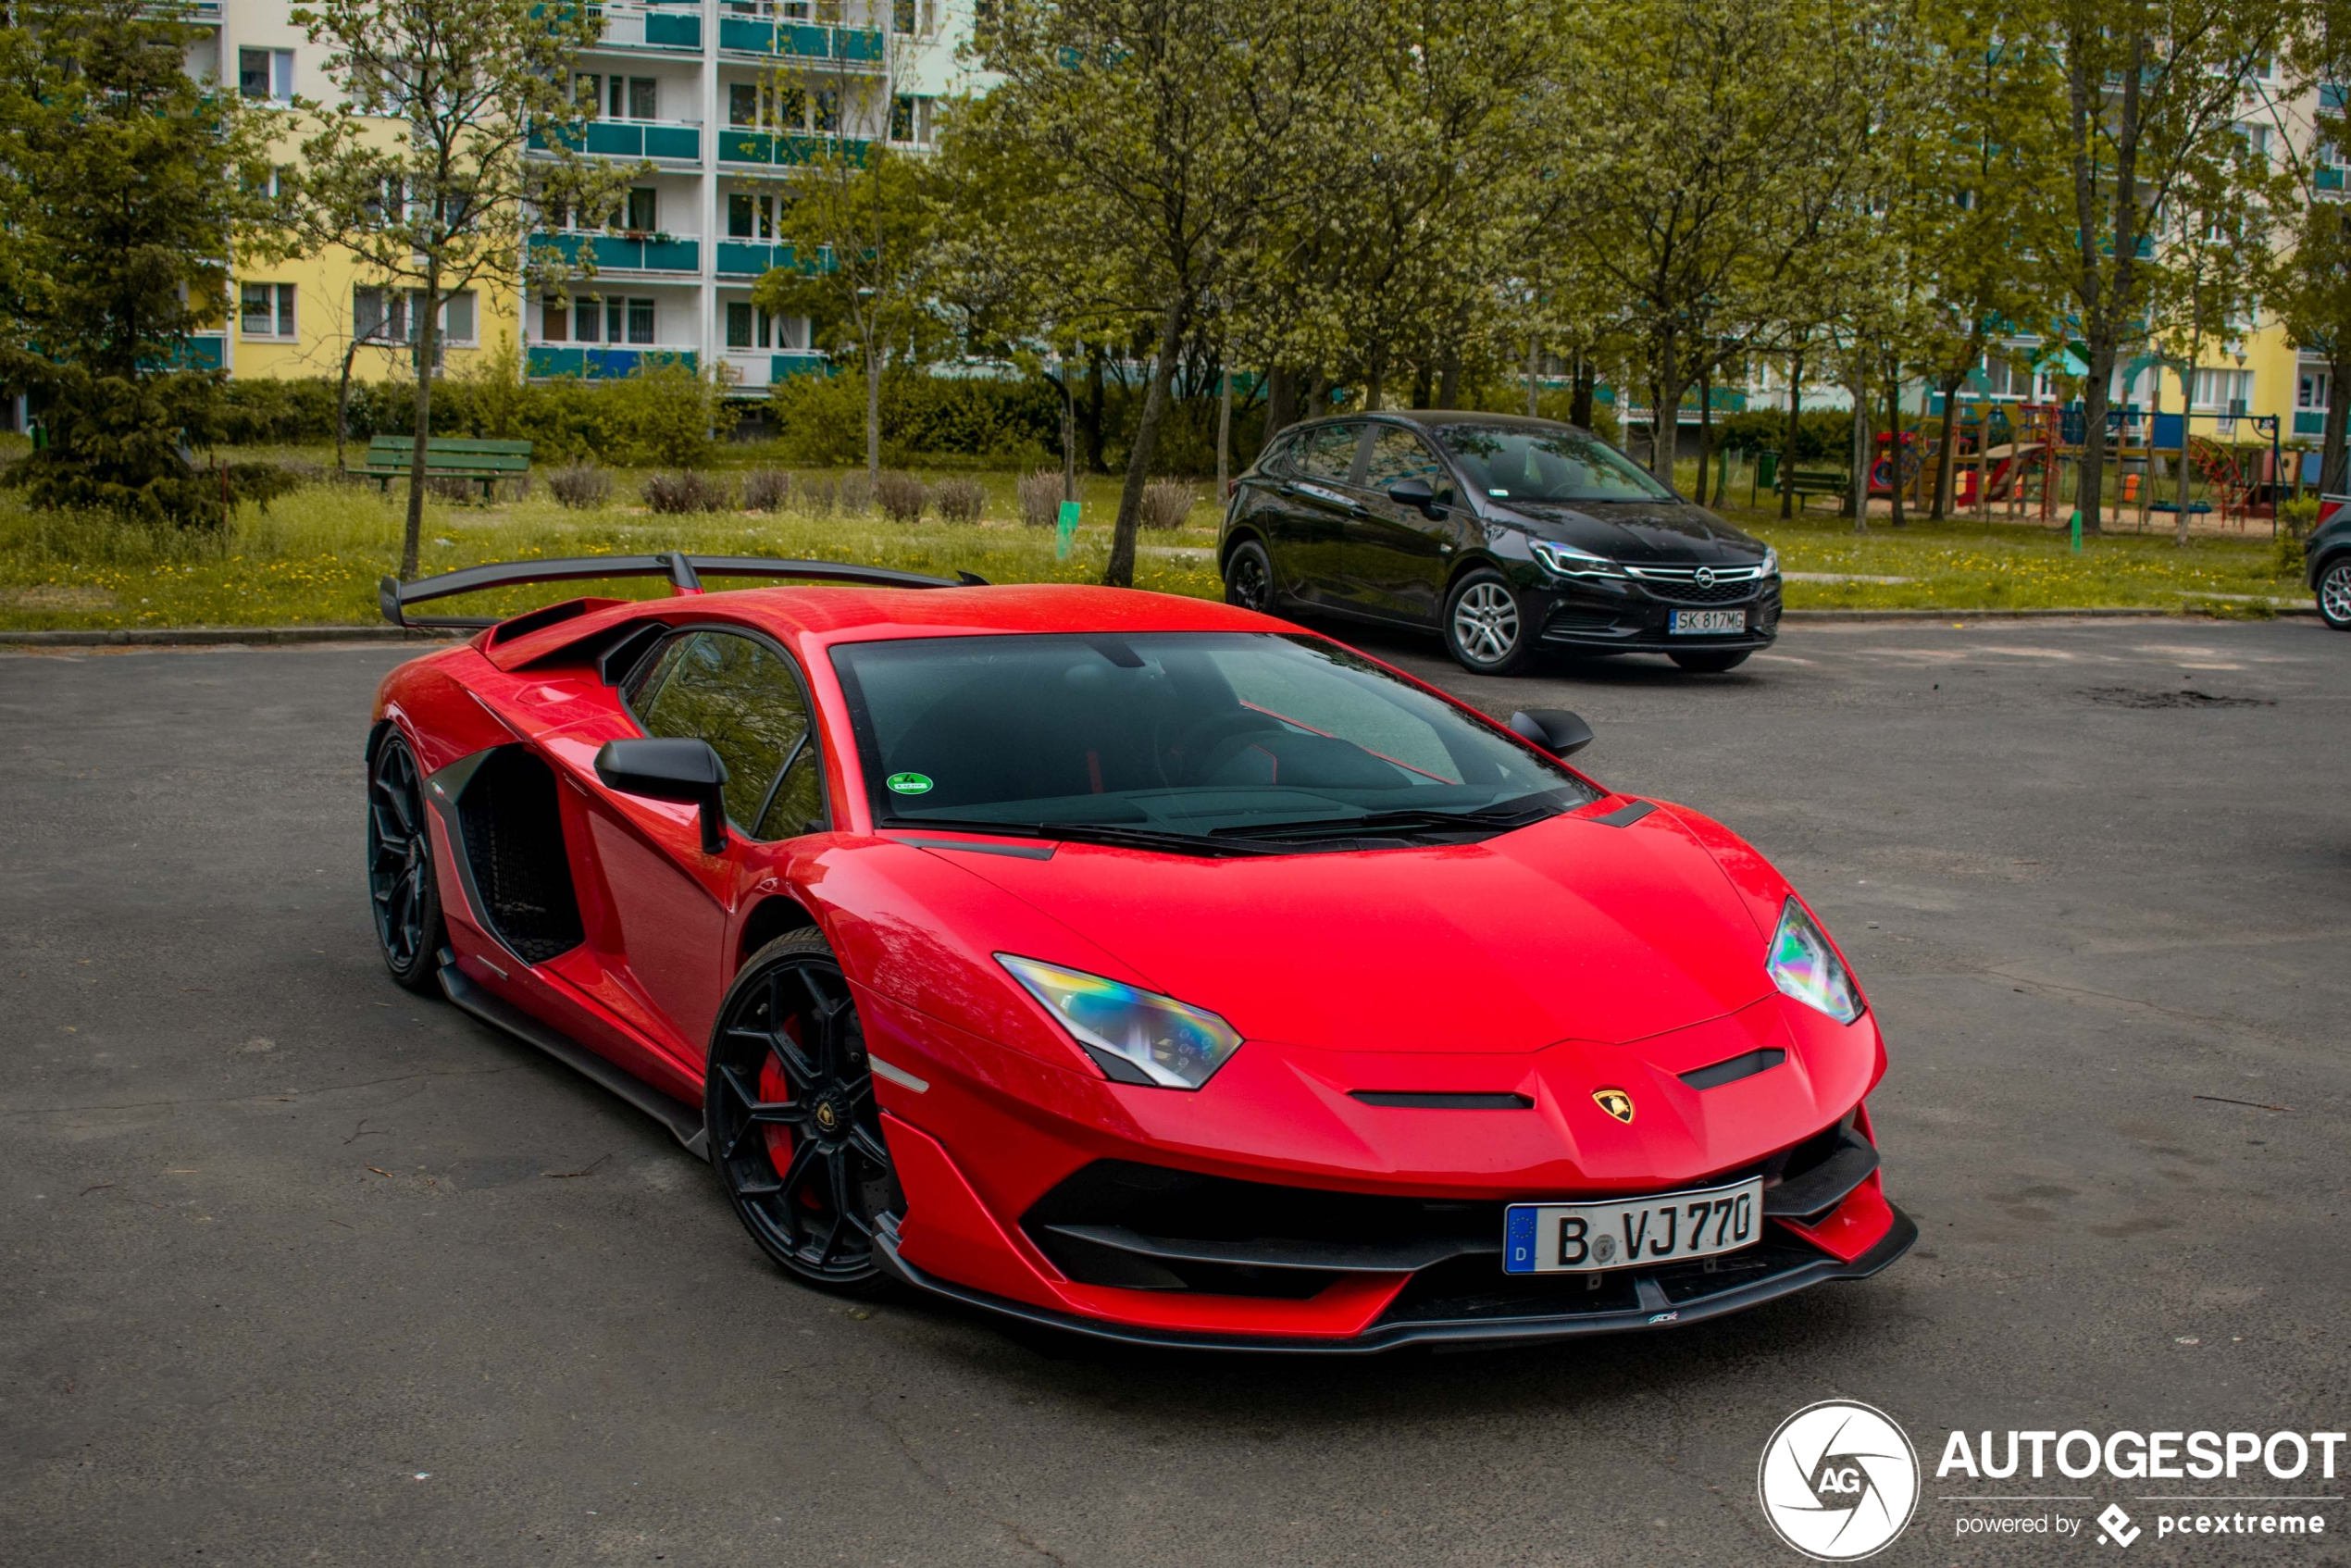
(750, 259)
(741, 144)
(599, 362)
(2329, 177)
(851, 47)
(620, 252)
(796, 362)
(2310, 422)
(650, 24)
(673, 140)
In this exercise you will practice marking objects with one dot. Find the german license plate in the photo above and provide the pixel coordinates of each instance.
(1686, 623)
(1629, 1233)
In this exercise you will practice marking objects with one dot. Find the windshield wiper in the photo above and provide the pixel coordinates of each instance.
(1380, 823)
(1113, 834)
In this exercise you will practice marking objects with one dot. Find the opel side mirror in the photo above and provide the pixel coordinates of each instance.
(671, 770)
(1555, 729)
(1416, 494)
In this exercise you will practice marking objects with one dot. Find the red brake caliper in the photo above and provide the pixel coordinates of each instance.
(776, 1089)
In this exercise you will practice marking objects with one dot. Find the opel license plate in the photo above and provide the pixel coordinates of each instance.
(1685, 623)
(1627, 1233)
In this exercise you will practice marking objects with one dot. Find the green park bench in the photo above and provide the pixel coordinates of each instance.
(1802, 482)
(389, 459)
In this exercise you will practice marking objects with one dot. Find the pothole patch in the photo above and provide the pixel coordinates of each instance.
(2187, 697)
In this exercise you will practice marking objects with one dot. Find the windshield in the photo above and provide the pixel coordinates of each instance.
(1228, 738)
(1510, 463)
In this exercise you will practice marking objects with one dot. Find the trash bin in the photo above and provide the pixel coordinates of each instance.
(1767, 470)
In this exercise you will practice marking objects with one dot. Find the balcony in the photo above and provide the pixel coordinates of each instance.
(750, 259)
(624, 253)
(741, 144)
(604, 362)
(2329, 177)
(649, 24)
(2310, 422)
(660, 140)
(202, 350)
(855, 48)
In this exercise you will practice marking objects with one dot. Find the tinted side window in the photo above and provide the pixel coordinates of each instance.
(1329, 453)
(742, 698)
(1398, 454)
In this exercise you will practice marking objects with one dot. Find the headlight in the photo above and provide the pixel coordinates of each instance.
(1136, 1037)
(1568, 561)
(1770, 562)
(1805, 966)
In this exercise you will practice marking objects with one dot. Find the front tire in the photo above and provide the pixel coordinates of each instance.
(2334, 594)
(1488, 629)
(1698, 662)
(795, 1135)
(1249, 577)
(402, 892)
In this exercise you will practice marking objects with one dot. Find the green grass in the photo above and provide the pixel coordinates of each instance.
(315, 556)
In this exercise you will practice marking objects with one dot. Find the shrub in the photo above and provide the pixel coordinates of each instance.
(580, 485)
(446, 487)
(264, 483)
(961, 499)
(901, 496)
(1166, 503)
(667, 414)
(815, 493)
(686, 490)
(1041, 498)
(767, 490)
(855, 493)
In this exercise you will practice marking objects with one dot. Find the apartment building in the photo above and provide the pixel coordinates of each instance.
(723, 99)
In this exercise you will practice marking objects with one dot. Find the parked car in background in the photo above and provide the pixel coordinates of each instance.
(2326, 558)
(1504, 535)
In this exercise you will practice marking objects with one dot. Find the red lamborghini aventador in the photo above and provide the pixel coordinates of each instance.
(1138, 966)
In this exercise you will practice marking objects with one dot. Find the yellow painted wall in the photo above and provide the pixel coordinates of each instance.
(323, 324)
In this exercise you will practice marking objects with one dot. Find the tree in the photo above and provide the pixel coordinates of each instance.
(2310, 283)
(863, 231)
(456, 131)
(1146, 148)
(124, 181)
(2151, 93)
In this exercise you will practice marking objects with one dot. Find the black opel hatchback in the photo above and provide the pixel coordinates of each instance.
(1502, 534)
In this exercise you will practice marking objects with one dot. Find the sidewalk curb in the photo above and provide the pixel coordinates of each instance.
(287, 636)
(204, 636)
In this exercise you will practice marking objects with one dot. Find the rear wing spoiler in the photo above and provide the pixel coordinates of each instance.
(685, 574)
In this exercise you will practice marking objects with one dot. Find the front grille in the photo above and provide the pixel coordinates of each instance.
(1679, 592)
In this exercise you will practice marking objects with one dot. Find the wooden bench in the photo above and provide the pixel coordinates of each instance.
(389, 459)
(1802, 482)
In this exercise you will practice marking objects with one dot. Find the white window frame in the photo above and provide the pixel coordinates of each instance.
(285, 321)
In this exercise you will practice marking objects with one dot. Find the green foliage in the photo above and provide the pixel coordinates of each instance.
(122, 181)
(1822, 435)
(820, 420)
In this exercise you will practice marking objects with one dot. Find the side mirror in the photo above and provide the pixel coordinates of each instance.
(1555, 729)
(1416, 494)
(671, 770)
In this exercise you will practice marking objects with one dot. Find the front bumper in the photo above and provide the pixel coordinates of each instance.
(1634, 618)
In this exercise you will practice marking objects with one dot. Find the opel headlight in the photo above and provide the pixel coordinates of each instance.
(1770, 562)
(1135, 1036)
(1567, 561)
(1805, 966)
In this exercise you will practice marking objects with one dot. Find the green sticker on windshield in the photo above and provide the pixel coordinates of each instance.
(908, 783)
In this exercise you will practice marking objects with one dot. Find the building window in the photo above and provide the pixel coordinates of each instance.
(457, 317)
(641, 322)
(266, 310)
(265, 73)
(901, 16)
(827, 110)
(644, 210)
(743, 103)
(2224, 391)
(749, 217)
(554, 320)
(644, 100)
(2312, 392)
(748, 326)
(901, 119)
(380, 314)
(587, 317)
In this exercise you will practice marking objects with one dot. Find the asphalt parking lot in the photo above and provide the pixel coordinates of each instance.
(302, 1269)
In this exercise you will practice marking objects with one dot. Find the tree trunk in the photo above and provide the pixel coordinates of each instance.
(2331, 443)
(1787, 446)
(1318, 395)
(1534, 363)
(1665, 413)
(876, 359)
(1579, 406)
(1281, 402)
(1069, 431)
(1375, 386)
(1223, 434)
(1095, 397)
(1448, 380)
(1120, 573)
(1893, 464)
(1946, 464)
(2187, 402)
(343, 403)
(1705, 425)
(428, 335)
(1858, 492)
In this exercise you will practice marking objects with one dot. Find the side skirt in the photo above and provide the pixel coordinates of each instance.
(683, 1121)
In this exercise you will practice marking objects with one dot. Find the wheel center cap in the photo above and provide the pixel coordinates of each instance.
(828, 1118)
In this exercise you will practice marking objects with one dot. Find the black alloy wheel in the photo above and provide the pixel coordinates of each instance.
(1249, 577)
(1488, 629)
(794, 1131)
(2334, 595)
(1701, 661)
(404, 897)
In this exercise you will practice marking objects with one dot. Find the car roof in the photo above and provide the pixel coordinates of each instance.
(1431, 418)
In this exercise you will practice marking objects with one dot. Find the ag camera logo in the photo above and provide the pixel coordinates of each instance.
(1839, 1481)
